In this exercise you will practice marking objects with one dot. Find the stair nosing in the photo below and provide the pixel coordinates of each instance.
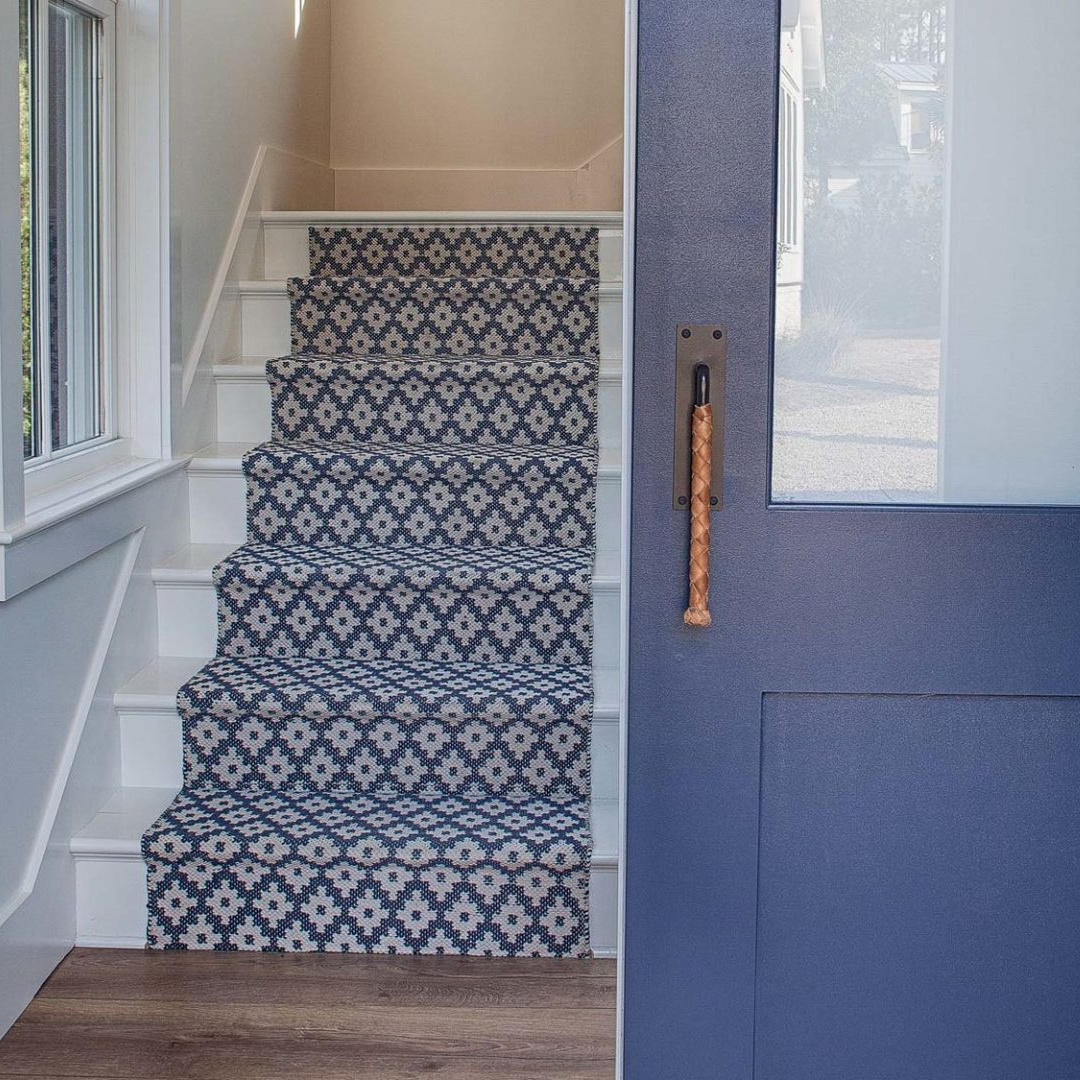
(303, 219)
(246, 369)
(181, 577)
(204, 463)
(85, 845)
(163, 699)
(609, 289)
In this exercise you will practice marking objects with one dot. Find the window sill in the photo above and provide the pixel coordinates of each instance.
(70, 521)
(76, 468)
(75, 494)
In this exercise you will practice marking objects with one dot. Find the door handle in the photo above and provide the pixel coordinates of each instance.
(700, 378)
(701, 437)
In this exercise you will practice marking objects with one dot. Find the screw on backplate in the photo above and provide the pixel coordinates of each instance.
(682, 500)
(718, 334)
(714, 501)
(686, 333)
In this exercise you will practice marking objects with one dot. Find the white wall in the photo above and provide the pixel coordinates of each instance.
(243, 75)
(476, 104)
(1011, 381)
(66, 644)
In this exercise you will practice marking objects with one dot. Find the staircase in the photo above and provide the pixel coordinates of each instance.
(519, 582)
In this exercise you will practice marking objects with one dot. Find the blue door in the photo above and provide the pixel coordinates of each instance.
(853, 803)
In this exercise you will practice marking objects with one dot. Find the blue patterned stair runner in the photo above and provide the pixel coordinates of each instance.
(390, 752)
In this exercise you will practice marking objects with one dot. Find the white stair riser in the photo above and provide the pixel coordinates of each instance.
(187, 621)
(265, 323)
(151, 754)
(111, 912)
(112, 904)
(243, 410)
(285, 252)
(218, 506)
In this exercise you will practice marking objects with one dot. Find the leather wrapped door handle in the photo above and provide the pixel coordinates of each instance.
(701, 439)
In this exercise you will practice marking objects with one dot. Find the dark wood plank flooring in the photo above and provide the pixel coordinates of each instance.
(157, 1016)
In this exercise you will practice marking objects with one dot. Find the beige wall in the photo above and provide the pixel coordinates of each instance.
(476, 104)
(241, 75)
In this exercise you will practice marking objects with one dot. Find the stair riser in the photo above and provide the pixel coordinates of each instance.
(265, 322)
(187, 621)
(445, 504)
(555, 767)
(464, 317)
(540, 628)
(151, 751)
(243, 408)
(218, 510)
(342, 906)
(434, 402)
(112, 906)
(286, 252)
(437, 250)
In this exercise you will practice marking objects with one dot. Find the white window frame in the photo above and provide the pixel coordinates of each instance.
(57, 466)
(91, 481)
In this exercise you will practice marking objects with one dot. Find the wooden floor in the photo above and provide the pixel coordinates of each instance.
(107, 1013)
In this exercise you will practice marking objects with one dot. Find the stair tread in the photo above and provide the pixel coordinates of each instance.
(254, 367)
(481, 402)
(370, 829)
(419, 316)
(229, 456)
(452, 693)
(605, 288)
(435, 249)
(368, 456)
(386, 493)
(501, 730)
(117, 829)
(428, 568)
(463, 285)
(194, 564)
(155, 687)
(306, 219)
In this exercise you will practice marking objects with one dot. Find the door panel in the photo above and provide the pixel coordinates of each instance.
(919, 906)
(703, 221)
(849, 637)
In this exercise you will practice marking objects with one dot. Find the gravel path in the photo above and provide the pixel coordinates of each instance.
(866, 432)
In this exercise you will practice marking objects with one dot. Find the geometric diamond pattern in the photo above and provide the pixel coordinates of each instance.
(343, 871)
(453, 251)
(469, 729)
(453, 605)
(391, 750)
(476, 401)
(462, 317)
(381, 493)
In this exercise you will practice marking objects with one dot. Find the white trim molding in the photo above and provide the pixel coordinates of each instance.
(137, 283)
(36, 854)
(11, 390)
(630, 66)
(274, 174)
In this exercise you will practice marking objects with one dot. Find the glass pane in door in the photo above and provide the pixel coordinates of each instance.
(926, 318)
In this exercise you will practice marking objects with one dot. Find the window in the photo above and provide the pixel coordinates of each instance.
(65, 97)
